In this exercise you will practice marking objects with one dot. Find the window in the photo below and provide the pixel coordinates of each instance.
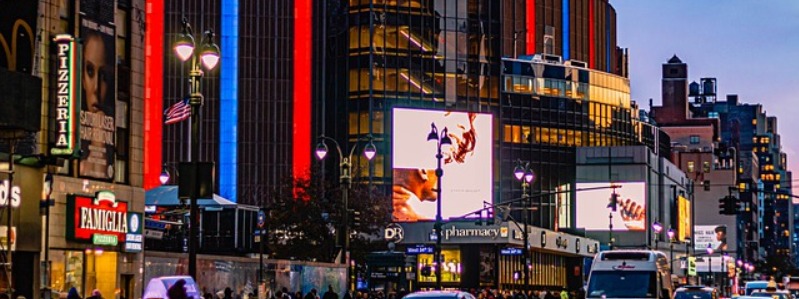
(706, 167)
(694, 139)
(691, 167)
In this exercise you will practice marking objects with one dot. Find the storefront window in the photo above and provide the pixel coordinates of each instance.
(450, 272)
(85, 271)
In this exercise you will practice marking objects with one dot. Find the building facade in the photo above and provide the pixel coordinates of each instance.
(510, 80)
(257, 98)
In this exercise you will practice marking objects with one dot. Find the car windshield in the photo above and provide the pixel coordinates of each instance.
(772, 295)
(693, 294)
(622, 284)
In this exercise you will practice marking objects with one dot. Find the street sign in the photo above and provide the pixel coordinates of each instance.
(261, 219)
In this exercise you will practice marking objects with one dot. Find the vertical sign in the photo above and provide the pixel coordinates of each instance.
(98, 106)
(67, 96)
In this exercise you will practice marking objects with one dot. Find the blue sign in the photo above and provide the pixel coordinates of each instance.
(261, 219)
(133, 238)
(510, 251)
(420, 249)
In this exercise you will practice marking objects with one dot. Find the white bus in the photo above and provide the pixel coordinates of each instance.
(630, 274)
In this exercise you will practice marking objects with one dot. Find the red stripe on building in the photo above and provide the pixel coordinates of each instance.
(591, 35)
(153, 92)
(530, 27)
(303, 33)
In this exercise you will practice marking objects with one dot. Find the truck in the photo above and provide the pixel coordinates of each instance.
(630, 274)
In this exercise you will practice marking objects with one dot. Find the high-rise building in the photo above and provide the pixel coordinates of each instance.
(255, 122)
(527, 80)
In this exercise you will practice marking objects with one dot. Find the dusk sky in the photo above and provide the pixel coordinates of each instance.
(751, 47)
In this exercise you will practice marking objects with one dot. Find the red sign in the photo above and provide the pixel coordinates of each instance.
(101, 214)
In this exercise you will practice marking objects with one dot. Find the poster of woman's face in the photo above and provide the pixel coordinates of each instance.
(98, 96)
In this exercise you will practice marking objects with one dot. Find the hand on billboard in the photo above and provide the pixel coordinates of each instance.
(633, 214)
(402, 209)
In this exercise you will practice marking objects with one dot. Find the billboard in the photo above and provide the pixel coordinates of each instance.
(98, 103)
(592, 205)
(715, 235)
(683, 218)
(467, 177)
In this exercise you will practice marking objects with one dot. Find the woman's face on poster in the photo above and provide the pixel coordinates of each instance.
(94, 77)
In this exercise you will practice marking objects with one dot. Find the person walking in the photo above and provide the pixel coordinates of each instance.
(330, 294)
(564, 294)
(178, 290)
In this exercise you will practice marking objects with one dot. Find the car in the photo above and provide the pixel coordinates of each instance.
(696, 292)
(774, 294)
(158, 287)
(442, 295)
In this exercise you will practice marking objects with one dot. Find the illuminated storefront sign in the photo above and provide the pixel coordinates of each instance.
(133, 239)
(9, 193)
(101, 220)
(67, 96)
(419, 249)
(683, 219)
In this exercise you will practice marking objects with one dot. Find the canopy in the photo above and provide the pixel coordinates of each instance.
(168, 196)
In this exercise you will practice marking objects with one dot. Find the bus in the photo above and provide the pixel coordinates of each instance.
(630, 274)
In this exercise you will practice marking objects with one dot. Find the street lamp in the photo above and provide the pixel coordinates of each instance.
(710, 251)
(657, 228)
(345, 180)
(441, 140)
(670, 234)
(524, 173)
(209, 56)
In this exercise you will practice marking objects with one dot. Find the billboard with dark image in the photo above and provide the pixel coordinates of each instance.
(98, 103)
(466, 164)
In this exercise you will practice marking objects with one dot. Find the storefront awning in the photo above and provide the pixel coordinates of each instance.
(165, 196)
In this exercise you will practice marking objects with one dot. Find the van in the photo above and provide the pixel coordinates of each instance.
(757, 285)
(630, 274)
(157, 287)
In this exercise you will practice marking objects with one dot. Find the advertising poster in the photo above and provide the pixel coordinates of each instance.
(592, 207)
(683, 218)
(98, 103)
(715, 235)
(466, 164)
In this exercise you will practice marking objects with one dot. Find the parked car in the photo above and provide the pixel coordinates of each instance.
(696, 292)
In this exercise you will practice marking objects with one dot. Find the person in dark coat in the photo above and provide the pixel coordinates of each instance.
(73, 294)
(177, 291)
(330, 294)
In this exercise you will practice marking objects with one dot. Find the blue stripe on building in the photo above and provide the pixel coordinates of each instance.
(565, 36)
(229, 114)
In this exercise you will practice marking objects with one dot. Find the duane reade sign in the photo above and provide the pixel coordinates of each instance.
(9, 193)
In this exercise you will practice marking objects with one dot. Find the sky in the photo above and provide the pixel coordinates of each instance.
(750, 46)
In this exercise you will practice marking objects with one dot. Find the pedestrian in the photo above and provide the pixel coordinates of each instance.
(228, 294)
(330, 294)
(95, 295)
(73, 294)
(563, 294)
(178, 290)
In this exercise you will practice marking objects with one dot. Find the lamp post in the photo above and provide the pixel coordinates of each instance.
(208, 57)
(345, 181)
(657, 228)
(710, 262)
(670, 234)
(48, 191)
(524, 173)
(613, 205)
(725, 276)
(441, 141)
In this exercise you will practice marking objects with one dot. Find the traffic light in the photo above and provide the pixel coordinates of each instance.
(355, 218)
(723, 206)
(613, 202)
(691, 266)
(729, 205)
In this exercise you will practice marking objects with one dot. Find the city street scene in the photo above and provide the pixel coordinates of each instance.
(399, 149)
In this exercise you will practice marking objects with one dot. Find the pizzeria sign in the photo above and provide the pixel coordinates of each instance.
(101, 220)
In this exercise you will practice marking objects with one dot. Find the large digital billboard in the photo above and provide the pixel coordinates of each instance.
(467, 179)
(713, 235)
(683, 218)
(592, 206)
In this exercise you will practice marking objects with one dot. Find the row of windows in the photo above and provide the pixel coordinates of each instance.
(556, 136)
(436, 85)
(568, 89)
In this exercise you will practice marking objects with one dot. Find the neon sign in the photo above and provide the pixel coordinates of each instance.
(67, 96)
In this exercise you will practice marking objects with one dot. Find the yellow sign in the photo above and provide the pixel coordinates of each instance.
(691, 266)
(684, 218)
(450, 272)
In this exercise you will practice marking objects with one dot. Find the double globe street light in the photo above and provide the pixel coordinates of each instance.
(524, 173)
(345, 180)
(442, 140)
(208, 56)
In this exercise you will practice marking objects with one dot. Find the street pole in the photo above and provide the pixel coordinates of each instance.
(610, 230)
(345, 182)
(195, 101)
(439, 175)
(525, 249)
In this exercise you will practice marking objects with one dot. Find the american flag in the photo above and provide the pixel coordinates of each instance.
(178, 112)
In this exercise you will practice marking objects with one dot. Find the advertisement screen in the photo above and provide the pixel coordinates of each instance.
(592, 207)
(466, 165)
(715, 235)
(684, 218)
(98, 73)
